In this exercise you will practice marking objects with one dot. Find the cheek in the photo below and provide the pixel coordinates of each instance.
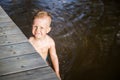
(45, 31)
(33, 30)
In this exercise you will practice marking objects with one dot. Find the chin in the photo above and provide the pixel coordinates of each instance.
(38, 37)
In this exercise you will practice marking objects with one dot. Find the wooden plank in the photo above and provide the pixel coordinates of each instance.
(12, 39)
(35, 74)
(6, 24)
(21, 63)
(16, 50)
(4, 16)
(8, 28)
(2, 12)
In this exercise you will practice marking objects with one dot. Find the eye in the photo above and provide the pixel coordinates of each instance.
(41, 28)
(35, 26)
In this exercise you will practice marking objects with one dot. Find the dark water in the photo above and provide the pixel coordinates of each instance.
(86, 32)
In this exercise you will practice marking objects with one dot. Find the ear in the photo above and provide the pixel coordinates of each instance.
(49, 29)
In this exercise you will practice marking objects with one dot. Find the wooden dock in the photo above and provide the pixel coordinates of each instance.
(18, 59)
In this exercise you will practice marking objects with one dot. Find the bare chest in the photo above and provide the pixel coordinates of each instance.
(42, 49)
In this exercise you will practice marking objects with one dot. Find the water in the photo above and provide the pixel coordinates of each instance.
(86, 32)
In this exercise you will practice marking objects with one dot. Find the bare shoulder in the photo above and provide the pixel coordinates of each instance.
(50, 40)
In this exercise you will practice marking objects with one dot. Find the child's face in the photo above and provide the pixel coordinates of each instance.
(40, 27)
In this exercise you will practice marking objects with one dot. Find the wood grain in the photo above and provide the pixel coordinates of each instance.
(21, 63)
(45, 73)
(16, 50)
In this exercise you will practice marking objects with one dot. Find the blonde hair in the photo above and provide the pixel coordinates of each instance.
(42, 14)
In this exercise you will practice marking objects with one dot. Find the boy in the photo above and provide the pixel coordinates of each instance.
(43, 43)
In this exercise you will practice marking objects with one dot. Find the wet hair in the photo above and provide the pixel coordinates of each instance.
(42, 14)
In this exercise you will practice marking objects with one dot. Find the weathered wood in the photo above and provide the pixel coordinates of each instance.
(12, 39)
(45, 73)
(4, 16)
(21, 63)
(16, 50)
(7, 28)
(6, 24)
(9, 32)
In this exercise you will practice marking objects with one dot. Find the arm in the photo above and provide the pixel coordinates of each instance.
(54, 58)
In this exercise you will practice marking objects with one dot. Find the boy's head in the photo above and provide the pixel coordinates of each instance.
(41, 24)
(41, 14)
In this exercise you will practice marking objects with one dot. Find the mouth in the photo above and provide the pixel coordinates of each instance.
(38, 35)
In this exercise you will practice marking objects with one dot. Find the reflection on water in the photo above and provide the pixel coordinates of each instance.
(86, 33)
